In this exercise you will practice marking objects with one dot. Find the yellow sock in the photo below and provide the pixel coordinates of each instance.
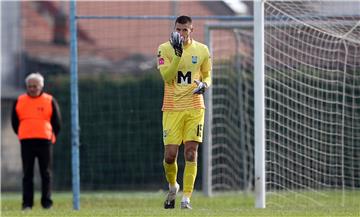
(171, 172)
(189, 178)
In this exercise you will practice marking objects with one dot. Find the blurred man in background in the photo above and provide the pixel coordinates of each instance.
(36, 121)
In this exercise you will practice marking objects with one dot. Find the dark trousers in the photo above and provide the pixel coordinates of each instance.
(42, 150)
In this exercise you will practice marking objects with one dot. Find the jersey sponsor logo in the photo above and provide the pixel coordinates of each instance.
(184, 79)
(161, 61)
(194, 59)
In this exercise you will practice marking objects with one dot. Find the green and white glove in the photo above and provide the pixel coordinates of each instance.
(176, 42)
(201, 86)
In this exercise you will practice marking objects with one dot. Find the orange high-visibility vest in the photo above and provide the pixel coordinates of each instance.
(35, 117)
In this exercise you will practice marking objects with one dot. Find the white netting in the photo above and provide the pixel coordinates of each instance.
(232, 113)
(312, 100)
(312, 93)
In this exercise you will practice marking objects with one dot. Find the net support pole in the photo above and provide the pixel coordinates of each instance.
(207, 145)
(259, 98)
(75, 165)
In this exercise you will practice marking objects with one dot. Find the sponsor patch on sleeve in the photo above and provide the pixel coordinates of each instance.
(161, 61)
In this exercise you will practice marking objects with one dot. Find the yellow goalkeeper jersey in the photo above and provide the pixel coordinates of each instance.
(195, 64)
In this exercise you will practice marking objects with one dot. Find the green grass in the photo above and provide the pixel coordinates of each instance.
(150, 204)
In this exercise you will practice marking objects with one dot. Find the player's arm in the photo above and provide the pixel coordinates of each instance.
(202, 84)
(206, 78)
(205, 71)
(169, 72)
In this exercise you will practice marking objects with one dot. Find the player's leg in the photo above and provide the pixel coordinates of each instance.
(170, 163)
(171, 169)
(172, 124)
(193, 136)
(190, 172)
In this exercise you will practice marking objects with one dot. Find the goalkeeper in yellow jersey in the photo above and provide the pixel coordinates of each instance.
(185, 67)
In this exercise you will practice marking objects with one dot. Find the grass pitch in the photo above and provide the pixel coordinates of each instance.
(150, 204)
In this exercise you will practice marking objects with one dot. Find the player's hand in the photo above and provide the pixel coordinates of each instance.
(176, 42)
(201, 86)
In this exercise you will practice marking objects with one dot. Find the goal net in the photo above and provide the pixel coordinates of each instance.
(312, 104)
(231, 113)
(312, 97)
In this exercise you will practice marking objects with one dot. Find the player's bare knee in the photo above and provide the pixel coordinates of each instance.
(170, 157)
(171, 153)
(191, 155)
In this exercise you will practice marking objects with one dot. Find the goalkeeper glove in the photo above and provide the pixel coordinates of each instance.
(176, 42)
(200, 89)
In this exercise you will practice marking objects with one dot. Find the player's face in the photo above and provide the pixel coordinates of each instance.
(33, 87)
(185, 30)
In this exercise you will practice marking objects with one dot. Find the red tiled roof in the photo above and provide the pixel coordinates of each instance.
(113, 40)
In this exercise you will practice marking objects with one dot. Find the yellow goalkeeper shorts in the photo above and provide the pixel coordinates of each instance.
(183, 126)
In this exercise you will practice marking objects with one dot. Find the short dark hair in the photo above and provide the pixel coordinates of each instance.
(183, 19)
